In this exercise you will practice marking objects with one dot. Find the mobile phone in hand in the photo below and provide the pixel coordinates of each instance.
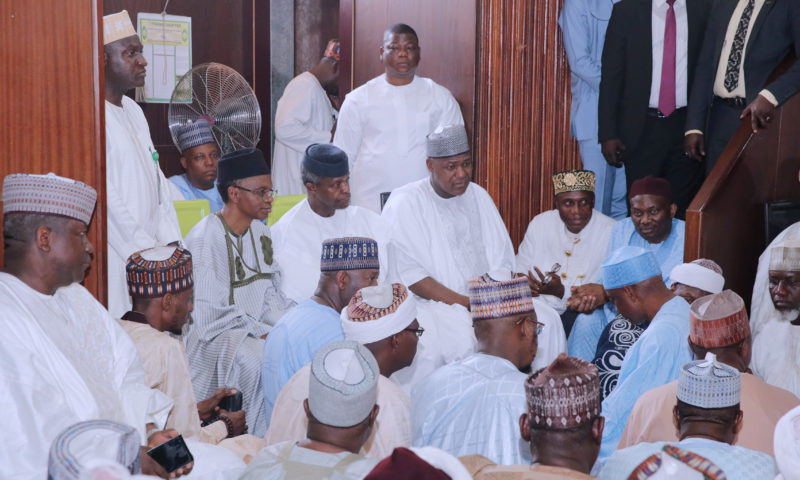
(172, 454)
(232, 403)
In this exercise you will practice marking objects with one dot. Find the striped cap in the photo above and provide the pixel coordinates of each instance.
(718, 320)
(492, 299)
(158, 271)
(191, 135)
(48, 195)
(708, 383)
(91, 443)
(349, 253)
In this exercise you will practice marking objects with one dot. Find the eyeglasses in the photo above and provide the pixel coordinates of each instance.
(539, 325)
(417, 331)
(262, 192)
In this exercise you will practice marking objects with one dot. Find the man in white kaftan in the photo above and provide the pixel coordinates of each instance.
(304, 116)
(237, 286)
(138, 195)
(325, 214)
(383, 123)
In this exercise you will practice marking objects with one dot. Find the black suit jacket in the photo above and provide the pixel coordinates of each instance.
(775, 33)
(627, 66)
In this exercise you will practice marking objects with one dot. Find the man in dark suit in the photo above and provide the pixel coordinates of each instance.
(648, 63)
(744, 43)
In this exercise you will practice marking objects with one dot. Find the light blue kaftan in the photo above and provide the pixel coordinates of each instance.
(472, 406)
(586, 332)
(190, 192)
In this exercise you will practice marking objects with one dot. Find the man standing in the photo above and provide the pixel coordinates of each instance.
(652, 226)
(383, 123)
(305, 116)
(199, 159)
(140, 210)
(583, 24)
(238, 295)
(744, 43)
(473, 405)
(707, 417)
(383, 319)
(719, 325)
(632, 278)
(348, 264)
(649, 60)
(569, 236)
(325, 214)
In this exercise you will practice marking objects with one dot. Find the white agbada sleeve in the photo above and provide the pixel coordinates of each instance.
(349, 129)
(294, 122)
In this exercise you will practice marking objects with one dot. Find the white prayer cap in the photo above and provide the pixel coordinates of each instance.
(447, 141)
(708, 383)
(117, 26)
(375, 313)
(787, 445)
(93, 444)
(785, 257)
(343, 385)
(702, 273)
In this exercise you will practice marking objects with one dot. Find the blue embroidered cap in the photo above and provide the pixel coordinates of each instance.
(194, 134)
(629, 266)
(349, 253)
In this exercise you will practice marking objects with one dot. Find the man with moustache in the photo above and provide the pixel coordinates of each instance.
(199, 158)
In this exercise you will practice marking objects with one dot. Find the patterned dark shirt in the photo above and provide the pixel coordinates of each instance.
(618, 336)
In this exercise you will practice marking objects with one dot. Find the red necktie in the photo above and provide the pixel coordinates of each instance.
(666, 95)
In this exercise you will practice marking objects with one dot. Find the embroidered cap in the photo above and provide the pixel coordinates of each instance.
(708, 383)
(785, 257)
(349, 253)
(565, 394)
(48, 195)
(87, 445)
(629, 266)
(194, 134)
(326, 160)
(343, 385)
(117, 26)
(573, 181)
(378, 312)
(447, 141)
(158, 271)
(497, 299)
(718, 320)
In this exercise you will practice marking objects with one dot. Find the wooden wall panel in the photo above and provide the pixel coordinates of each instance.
(51, 114)
(234, 33)
(522, 107)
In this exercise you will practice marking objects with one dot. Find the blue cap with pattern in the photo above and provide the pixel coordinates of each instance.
(629, 266)
(349, 253)
(193, 134)
(708, 383)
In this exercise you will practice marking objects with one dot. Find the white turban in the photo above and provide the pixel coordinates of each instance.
(375, 313)
(696, 275)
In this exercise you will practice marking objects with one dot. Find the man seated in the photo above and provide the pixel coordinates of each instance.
(572, 236)
(653, 226)
(383, 319)
(199, 158)
(161, 284)
(776, 337)
(632, 278)
(64, 357)
(689, 281)
(347, 264)
(718, 324)
(325, 213)
(238, 295)
(473, 405)
(341, 411)
(707, 418)
(562, 446)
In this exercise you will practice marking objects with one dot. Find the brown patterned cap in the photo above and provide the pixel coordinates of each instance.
(718, 320)
(565, 394)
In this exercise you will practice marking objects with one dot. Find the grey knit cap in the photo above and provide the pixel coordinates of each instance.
(343, 385)
(447, 141)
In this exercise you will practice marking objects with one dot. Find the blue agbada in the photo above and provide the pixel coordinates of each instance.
(292, 344)
(472, 406)
(190, 192)
(586, 332)
(655, 359)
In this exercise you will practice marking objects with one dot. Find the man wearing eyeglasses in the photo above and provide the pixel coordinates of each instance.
(237, 286)
(473, 406)
(383, 319)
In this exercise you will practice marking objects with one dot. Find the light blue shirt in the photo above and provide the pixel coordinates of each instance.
(738, 463)
(655, 359)
(292, 344)
(190, 192)
(472, 406)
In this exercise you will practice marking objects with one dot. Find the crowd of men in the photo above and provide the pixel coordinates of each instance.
(394, 333)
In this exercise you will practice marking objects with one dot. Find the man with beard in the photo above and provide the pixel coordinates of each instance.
(199, 157)
(305, 116)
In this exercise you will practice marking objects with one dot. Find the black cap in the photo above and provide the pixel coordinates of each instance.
(245, 163)
(326, 160)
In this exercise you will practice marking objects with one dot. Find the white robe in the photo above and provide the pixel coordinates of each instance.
(547, 241)
(65, 360)
(139, 198)
(304, 116)
(383, 130)
(297, 239)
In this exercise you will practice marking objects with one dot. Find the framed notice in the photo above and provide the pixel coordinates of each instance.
(167, 41)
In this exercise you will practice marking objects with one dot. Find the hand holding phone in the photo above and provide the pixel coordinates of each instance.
(172, 454)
